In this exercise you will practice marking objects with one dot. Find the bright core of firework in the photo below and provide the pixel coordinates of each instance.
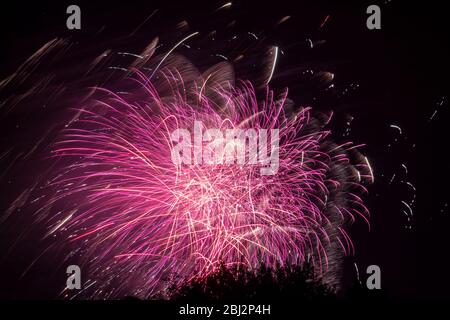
(140, 223)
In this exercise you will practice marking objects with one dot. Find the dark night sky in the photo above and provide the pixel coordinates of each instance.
(402, 72)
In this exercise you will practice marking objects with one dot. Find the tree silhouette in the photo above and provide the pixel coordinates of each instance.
(236, 283)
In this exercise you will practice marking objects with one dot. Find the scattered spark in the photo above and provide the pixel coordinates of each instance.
(221, 56)
(119, 68)
(404, 167)
(146, 19)
(370, 169)
(226, 5)
(432, 116)
(411, 185)
(392, 179)
(130, 54)
(170, 51)
(409, 207)
(253, 35)
(59, 225)
(284, 19)
(357, 272)
(324, 21)
(274, 62)
(396, 127)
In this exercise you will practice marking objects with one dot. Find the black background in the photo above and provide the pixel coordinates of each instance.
(402, 72)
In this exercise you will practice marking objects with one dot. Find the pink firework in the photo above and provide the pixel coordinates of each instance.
(141, 223)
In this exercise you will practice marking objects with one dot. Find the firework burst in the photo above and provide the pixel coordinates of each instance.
(141, 223)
